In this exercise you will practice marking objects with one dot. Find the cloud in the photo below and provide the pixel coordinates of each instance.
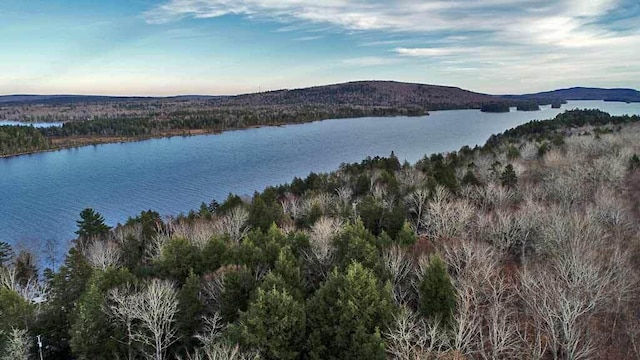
(309, 38)
(523, 39)
(429, 52)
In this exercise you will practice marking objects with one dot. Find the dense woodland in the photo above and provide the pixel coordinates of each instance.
(525, 248)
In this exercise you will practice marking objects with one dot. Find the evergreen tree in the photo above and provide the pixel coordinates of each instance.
(91, 331)
(508, 177)
(274, 324)
(262, 213)
(470, 178)
(179, 257)
(437, 296)
(91, 224)
(6, 254)
(190, 311)
(239, 285)
(346, 315)
(286, 275)
(406, 236)
(356, 243)
(16, 312)
(66, 288)
(26, 269)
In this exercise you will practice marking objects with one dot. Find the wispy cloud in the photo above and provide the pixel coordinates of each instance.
(309, 38)
(430, 52)
(524, 39)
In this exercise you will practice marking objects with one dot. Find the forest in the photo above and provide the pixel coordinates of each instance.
(525, 248)
(16, 140)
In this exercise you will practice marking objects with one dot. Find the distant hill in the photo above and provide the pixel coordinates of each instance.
(359, 93)
(368, 93)
(68, 99)
(581, 93)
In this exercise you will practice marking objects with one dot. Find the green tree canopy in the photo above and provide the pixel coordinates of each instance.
(347, 314)
(274, 324)
(91, 224)
(508, 177)
(437, 296)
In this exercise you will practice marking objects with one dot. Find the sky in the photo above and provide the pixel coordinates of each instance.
(217, 47)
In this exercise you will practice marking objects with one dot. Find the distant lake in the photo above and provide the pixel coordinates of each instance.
(42, 194)
(34, 124)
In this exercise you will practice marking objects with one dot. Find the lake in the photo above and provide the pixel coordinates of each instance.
(42, 194)
(35, 124)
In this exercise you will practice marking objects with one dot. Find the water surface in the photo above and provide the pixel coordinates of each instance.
(42, 194)
(34, 124)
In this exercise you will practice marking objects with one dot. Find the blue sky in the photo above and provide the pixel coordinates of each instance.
(167, 47)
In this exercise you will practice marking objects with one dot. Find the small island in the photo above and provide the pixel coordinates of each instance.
(528, 106)
(495, 108)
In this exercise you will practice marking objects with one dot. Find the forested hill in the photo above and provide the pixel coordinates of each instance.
(582, 93)
(369, 93)
(378, 94)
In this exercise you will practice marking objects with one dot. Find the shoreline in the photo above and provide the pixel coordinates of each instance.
(96, 140)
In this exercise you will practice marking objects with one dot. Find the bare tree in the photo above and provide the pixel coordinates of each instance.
(234, 223)
(154, 308)
(102, 254)
(446, 218)
(492, 196)
(213, 348)
(321, 235)
(399, 265)
(466, 325)
(198, 232)
(410, 178)
(344, 194)
(417, 203)
(32, 290)
(50, 252)
(120, 307)
(562, 309)
(411, 338)
(291, 205)
(324, 201)
(500, 320)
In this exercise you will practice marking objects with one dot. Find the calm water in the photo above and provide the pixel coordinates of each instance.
(42, 194)
(38, 125)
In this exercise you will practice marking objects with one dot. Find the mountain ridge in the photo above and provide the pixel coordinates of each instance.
(582, 93)
(340, 91)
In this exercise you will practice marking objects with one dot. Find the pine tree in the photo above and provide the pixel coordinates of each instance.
(508, 177)
(356, 243)
(437, 296)
(406, 236)
(346, 315)
(274, 324)
(91, 224)
(190, 310)
(286, 275)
